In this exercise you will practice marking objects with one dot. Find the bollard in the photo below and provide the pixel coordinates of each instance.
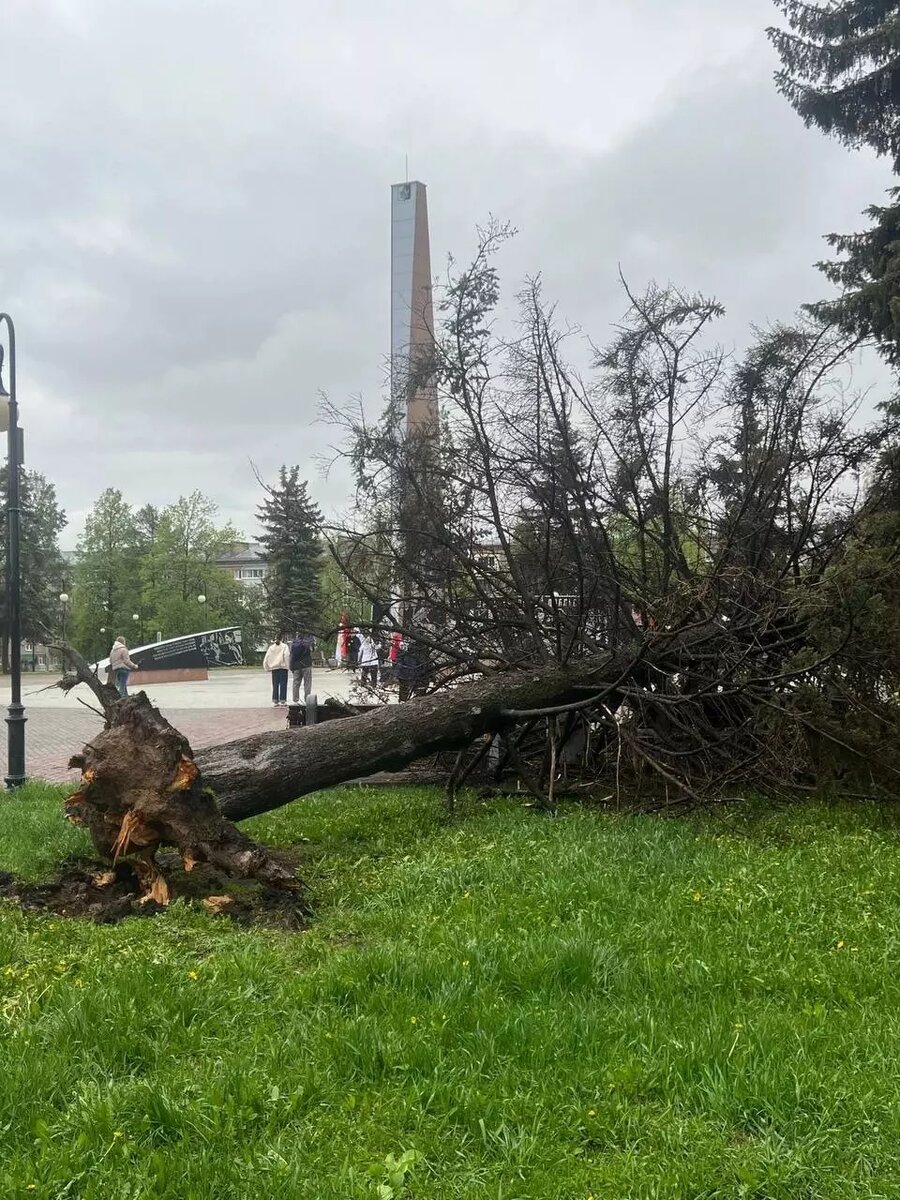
(312, 709)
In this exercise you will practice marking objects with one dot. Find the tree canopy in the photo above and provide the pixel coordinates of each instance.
(154, 564)
(677, 499)
(841, 72)
(841, 69)
(43, 570)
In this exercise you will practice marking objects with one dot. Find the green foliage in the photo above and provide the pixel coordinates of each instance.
(841, 69)
(338, 594)
(43, 570)
(178, 566)
(393, 1173)
(291, 523)
(841, 72)
(854, 616)
(868, 275)
(107, 586)
(540, 1009)
(154, 563)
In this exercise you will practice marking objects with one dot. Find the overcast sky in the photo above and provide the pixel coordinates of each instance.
(195, 202)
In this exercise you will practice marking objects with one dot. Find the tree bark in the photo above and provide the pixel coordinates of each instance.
(268, 770)
(143, 788)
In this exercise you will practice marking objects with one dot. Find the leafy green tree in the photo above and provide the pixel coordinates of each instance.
(354, 574)
(180, 546)
(841, 72)
(291, 522)
(43, 571)
(107, 583)
(156, 563)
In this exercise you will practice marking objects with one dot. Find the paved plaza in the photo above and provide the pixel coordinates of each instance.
(231, 704)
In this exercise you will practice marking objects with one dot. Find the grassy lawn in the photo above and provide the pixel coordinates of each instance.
(585, 1006)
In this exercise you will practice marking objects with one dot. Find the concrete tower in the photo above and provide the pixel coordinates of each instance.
(412, 312)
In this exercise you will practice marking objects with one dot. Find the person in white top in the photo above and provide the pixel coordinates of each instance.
(120, 664)
(368, 659)
(276, 661)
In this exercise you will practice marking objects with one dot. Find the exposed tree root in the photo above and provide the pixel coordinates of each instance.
(141, 790)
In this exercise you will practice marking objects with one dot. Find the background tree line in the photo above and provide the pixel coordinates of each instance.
(154, 562)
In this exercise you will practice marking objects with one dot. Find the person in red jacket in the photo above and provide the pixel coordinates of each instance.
(344, 641)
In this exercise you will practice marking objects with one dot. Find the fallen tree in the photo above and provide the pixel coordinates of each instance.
(671, 573)
(265, 771)
(143, 788)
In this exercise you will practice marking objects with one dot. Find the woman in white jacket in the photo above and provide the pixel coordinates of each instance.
(120, 664)
(276, 661)
(368, 659)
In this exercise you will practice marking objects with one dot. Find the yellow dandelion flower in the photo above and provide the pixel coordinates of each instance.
(193, 975)
(413, 1020)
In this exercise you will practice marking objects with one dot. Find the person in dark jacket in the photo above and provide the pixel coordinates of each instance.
(413, 669)
(301, 665)
(353, 649)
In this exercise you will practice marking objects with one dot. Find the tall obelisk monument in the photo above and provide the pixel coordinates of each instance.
(412, 310)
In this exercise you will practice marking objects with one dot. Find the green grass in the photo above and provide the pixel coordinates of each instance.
(539, 1008)
(33, 836)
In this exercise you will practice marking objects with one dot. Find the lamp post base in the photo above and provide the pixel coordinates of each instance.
(15, 720)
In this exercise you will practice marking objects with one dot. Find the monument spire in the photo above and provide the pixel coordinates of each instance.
(412, 310)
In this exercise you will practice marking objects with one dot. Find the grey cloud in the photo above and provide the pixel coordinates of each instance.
(194, 202)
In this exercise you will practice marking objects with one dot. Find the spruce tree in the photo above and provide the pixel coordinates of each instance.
(291, 522)
(841, 69)
(841, 72)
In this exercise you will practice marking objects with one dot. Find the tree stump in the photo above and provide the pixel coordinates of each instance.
(141, 790)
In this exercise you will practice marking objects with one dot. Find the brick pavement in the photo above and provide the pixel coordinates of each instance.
(53, 735)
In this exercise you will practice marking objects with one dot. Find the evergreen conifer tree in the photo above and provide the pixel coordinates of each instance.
(841, 72)
(43, 570)
(291, 522)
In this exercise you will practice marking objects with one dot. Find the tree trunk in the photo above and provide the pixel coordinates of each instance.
(268, 770)
(141, 790)
(142, 787)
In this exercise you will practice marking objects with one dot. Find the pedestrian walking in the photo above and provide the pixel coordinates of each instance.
(368, 659)
(277, 660)
(300, 663)
(353, 649)
(343, 642)
(394, 654)
(120, 665)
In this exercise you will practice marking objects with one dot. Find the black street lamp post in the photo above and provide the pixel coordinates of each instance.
(15, 718)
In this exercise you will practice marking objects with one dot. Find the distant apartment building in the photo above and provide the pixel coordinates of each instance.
(246, 562)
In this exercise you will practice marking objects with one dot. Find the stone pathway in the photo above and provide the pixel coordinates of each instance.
(53, 735)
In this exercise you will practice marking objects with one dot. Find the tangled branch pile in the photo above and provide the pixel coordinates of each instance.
(674, 577)
(723, 531)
